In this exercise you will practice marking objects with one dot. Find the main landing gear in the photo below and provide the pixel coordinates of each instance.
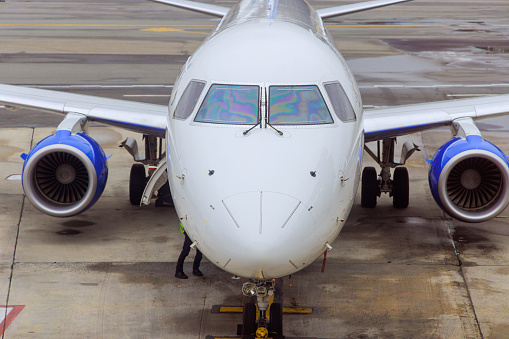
(143, 185)
(374, 185)
(265, 318)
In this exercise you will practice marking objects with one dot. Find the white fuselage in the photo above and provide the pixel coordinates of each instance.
(261, 205)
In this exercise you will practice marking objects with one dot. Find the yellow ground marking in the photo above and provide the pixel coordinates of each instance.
(297, 310)
(231, 309)
(289, 310)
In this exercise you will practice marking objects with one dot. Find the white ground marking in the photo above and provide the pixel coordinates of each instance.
(3, 313)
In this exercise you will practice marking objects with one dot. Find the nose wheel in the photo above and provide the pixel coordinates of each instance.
(255, 323)
(249, 320)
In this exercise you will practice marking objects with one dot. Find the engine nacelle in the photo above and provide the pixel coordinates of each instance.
(469, 179)
(65, 174)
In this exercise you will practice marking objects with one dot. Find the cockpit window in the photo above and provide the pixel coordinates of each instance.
(340, 102)
(230, 104)
(188, 100)
(297, 105)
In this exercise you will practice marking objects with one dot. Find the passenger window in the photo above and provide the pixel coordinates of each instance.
(230, 104)
(297, 105)
(188, 100)
(340, 102)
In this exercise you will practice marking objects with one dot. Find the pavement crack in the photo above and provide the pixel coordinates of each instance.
(14, 251)
(462, 274)
(12, 265)
(201, 316)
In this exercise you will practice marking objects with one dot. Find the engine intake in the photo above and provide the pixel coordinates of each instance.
(469, 179)
(65, 174)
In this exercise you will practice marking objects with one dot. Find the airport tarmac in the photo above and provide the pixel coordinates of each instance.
(108, 273)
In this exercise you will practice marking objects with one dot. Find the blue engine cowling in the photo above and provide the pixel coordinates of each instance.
(65, 174)
(469, 179)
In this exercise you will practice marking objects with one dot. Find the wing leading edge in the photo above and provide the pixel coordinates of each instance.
(400, 120)
(134, 116)
(197, 7)
(221, 11)
(357, 7)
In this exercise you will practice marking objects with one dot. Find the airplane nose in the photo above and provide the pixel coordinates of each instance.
(259, 212)
(268, 232)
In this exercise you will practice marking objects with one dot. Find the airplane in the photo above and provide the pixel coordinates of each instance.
(264, 137)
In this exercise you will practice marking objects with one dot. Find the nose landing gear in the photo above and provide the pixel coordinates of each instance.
(256, 321)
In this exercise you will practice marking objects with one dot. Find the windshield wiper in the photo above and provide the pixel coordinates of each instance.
(260, 105)
(251, 128)
(274, 128)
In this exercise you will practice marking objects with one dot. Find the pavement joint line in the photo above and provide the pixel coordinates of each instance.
(201, 315)
(448, 223)
(15, 248)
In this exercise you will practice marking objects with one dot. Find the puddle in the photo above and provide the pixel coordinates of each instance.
(494, 49)
(424, 45)
(68, 232)
(140, 273)
(77, 223)
(466, 236)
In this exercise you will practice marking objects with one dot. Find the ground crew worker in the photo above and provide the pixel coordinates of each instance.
(179, 273)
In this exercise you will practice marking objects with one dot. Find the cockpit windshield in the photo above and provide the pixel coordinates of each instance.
(230, 104)
(297, 105)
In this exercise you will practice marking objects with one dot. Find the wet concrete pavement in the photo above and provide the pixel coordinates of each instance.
(108, 273)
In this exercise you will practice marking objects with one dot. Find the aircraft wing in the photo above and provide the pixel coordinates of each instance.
(134, 116)
(406, 119)
(357, 7)
(219, 11)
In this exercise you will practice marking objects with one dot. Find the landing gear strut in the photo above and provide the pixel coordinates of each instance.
(398, 187)
(271, 326)
(154, 154)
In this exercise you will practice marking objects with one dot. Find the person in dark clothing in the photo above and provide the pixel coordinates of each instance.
(179, 272)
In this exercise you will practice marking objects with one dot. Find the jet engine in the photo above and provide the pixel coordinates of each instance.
(469, 179)
(65, 174)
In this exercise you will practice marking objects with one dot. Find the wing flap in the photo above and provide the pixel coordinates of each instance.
(134, 116)
(400, 120)
(354, 8)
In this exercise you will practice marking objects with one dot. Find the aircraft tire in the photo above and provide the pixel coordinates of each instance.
(400, 188)
(248, 320)
(137, 182)
(369, 190)
(276, 319)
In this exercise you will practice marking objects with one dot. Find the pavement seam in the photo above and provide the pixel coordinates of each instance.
(15, 248)
(201, 316)
(462, 274)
